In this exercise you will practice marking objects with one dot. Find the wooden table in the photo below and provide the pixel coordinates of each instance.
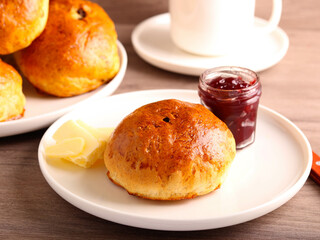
(30, 209)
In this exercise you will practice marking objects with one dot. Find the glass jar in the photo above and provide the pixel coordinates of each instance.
(232, 94)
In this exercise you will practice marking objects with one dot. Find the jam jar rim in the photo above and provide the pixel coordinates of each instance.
(231, 69)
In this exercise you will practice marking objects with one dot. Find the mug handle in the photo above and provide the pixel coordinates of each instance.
(274, 18)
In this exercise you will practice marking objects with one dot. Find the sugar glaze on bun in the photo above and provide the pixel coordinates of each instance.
(76, 53)
(170, 150)
(12, 99)
(21, 21)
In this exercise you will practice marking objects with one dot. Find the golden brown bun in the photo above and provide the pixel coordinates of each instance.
(170, 150)
(21, 21)
(12, 100)
(76, 52)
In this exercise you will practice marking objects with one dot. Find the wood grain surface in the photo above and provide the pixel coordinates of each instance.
(30, 209)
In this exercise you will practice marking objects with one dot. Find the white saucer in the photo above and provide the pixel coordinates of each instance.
(263, 176)
(151, 40)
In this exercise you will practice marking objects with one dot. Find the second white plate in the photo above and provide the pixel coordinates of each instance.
(262, 177)
(42, 110)
(151, 40)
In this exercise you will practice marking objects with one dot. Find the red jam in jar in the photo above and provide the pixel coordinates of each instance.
(232, 94)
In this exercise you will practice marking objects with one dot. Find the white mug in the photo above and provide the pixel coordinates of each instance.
(216, 27)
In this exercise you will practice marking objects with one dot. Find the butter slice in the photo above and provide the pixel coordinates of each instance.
(94, 139)
(102, 134)
(89, 155)
(66, 147)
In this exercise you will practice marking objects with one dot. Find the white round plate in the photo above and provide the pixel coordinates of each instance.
(262, 177)
(42, 110)
(151, 40)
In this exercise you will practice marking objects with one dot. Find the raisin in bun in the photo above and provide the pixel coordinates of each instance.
(76, 53)
(170, 150)
(21, 21)
(12, 100)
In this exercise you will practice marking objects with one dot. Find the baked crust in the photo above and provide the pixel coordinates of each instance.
(12, 99)
(76, 53)
(170, 150)
(21, 21)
